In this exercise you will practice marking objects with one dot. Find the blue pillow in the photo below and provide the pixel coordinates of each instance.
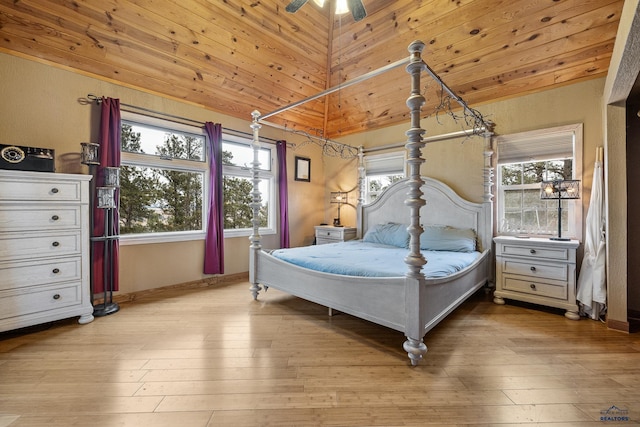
(390, 233)
(446, 238)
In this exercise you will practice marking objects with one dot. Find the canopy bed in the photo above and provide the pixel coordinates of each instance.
(420, 217)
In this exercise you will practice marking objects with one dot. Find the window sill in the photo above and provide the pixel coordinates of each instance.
(142, 239)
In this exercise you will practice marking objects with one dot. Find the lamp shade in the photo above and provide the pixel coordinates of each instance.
(90, 154)
(106, 197)
(339, 197)
(560, 189)
(111, 176)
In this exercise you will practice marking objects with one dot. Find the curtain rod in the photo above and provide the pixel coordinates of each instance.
(177, 119)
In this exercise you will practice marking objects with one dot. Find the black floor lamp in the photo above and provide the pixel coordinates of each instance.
(560, 190)
(105, 198)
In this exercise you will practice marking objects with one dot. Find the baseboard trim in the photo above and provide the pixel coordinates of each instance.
(203, 283)
(618, 325)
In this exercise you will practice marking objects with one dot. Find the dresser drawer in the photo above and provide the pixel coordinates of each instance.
(33, 273)
(535, 269)
(23, 218)
(40, 300)
(15, 246)
(39, 189)
(535, 288)
(534, 252)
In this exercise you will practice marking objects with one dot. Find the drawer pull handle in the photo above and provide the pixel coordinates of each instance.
(533, 251)
(56, 270)
(532, 286)
(56, 296)
(533, 269)
(54, 190)
(55, 217)
(56, 244)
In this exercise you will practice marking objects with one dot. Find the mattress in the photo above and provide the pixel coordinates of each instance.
(365, 259)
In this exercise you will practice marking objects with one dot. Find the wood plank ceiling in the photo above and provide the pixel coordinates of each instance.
(234, 56)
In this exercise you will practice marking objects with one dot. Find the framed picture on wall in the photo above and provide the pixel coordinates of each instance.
(303, 169)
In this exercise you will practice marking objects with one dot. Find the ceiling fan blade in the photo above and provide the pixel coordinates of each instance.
(295, 5)
(357, 9)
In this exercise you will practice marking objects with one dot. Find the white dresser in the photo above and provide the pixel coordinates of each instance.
(331, 234)
(537, 270)
(44, 248)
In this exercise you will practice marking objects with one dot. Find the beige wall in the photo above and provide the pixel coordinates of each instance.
(459, 162)
(42, 106)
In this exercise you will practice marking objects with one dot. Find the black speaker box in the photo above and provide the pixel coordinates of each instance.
(36, 159)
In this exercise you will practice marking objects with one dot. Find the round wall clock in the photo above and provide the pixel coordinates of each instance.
(12, 154)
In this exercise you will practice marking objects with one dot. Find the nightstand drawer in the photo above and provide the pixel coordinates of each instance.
(534, 252)
(535, 288)
(329, 234)
(535, 269)
(323, 241)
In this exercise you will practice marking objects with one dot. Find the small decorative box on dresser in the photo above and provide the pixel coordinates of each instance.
(44, 248)
(537, 270)
(331, 234)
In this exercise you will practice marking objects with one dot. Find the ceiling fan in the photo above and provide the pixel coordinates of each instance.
(355, 6)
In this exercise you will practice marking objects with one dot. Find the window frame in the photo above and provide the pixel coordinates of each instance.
(385, 164)
(245, 171)
(152, 160)
(532, 145)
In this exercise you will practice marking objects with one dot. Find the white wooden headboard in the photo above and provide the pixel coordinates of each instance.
(443, 207)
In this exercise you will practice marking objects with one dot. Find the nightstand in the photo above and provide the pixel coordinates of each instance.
(537, 270)
(331, 234)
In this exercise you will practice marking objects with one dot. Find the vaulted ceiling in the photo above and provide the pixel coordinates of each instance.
(236, 56)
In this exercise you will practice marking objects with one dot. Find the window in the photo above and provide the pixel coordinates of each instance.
(238, 185)
(164, 180)
(524, 161)
(382, 170)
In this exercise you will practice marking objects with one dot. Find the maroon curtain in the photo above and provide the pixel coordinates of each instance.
(214, 239)
(283, 193)
(109, 157)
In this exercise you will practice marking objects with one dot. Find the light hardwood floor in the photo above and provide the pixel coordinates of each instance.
(214, 357)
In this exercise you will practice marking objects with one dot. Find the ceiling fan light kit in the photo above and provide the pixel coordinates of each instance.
(342, 6)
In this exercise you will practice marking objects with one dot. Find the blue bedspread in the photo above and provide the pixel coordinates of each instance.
(357, 258)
